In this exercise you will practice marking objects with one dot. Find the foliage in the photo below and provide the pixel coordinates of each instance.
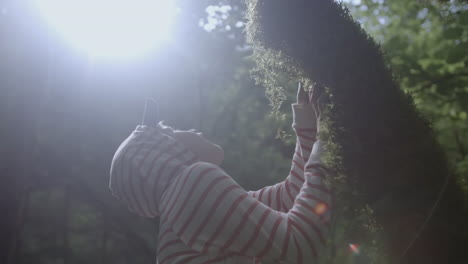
(427, 50)
(378, 143)
(63, 116)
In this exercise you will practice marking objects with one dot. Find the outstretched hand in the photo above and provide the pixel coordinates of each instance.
(312, 97)
(302, 95)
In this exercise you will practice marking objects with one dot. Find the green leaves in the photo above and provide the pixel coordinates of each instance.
(453, 32)
(458, 53)
(425, 44)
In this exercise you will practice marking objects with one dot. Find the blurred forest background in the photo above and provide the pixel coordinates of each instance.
(63, 115)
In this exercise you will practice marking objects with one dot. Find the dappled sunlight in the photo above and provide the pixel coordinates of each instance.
(217, 17)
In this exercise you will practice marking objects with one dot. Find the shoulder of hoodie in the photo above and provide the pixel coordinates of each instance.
(206, 169)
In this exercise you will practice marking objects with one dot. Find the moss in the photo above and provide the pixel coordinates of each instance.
(382, 150)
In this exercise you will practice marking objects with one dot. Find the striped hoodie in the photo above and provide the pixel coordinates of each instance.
(206, 217)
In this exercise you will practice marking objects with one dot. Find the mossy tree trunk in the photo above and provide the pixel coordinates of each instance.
(385, 154)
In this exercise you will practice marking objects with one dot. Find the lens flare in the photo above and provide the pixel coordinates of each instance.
(354, 248)
(110, 28)
(320, 208)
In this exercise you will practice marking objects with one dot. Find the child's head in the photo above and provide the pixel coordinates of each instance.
(147, 161)
(204, 149)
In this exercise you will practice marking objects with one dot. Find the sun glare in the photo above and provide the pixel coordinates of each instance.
(111, 28)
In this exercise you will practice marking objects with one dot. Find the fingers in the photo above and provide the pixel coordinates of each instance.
(315, 94)
(302, 97)
(320, 104)
(316, 98)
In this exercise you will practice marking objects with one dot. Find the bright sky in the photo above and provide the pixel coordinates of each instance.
(111, 28)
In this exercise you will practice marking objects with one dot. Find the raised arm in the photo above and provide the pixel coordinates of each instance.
(212, 214)
(281, 196)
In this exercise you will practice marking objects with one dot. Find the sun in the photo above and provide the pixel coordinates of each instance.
(111, 28)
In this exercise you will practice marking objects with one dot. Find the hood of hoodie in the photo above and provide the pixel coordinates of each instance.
(143, 167)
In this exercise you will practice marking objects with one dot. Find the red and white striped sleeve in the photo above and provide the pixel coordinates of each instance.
(281, 196)
(212, 214)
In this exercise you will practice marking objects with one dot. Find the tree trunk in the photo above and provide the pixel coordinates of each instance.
(15, 241)
(65, 229)
(104, 237)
